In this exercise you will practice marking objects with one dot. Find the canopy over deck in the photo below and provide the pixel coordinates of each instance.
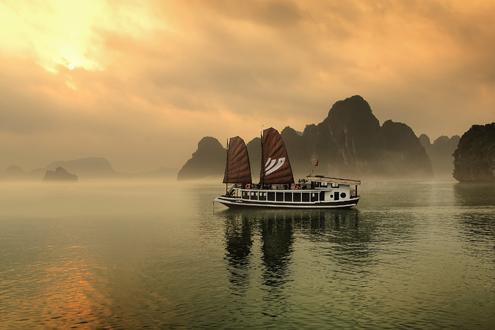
(332, 180)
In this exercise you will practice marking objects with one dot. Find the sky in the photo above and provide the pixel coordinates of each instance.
(140, 82)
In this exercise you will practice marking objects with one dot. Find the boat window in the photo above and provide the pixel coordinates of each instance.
(254, 195)
(271, 196)
(322, 195)
(314, 197)
(324, 184)
(262, 196)
(335, 185)
(297, 197)
(336, 195)
(245, 194)
(280, 196)
(343, 195)
(288, 197)
(305, 197)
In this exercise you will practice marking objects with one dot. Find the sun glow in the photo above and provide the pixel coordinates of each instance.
(66, 34)
(55, 33)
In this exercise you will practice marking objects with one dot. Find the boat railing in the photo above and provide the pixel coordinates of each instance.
(282, 195)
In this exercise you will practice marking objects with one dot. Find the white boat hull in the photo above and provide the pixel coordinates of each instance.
(234, 202)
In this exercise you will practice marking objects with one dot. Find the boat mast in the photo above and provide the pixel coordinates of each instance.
(261, 167)
(226, 166)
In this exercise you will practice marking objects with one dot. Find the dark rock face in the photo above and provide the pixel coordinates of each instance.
(350, 141)
(403, 151)
(91, 167)
(441, 153)
(474, 158)
(355, 131)
(59, 174)
(297, 148)
(207, 161)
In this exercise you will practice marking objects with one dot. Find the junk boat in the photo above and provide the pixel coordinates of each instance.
(277, 188)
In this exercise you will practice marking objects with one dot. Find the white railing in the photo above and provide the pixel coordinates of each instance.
(310, 193)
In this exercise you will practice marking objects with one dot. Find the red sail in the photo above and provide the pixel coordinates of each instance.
(237, 169)
(275, 164)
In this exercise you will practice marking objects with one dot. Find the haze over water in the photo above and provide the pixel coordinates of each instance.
(134, 254)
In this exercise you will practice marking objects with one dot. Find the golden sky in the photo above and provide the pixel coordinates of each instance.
(141, 82)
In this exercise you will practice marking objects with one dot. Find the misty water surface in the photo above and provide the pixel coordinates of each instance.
(135, 254)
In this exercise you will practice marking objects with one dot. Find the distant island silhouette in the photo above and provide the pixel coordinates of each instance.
(87, 168)
(207, 161)
(90, 167)
(440, 153)
(60, 174)
(349, 141)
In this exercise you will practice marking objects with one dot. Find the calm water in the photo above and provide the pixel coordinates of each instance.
(140, 254)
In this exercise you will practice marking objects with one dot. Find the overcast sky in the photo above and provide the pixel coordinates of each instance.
(141, 82)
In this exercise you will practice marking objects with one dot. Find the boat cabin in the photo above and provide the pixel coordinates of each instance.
(312, 189)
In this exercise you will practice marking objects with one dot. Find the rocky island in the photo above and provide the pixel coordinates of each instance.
(474, 158)
(89, 167)
(350, 141)
(60, 174)
(207, 161)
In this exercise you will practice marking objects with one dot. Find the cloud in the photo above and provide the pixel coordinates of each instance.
(142, 84)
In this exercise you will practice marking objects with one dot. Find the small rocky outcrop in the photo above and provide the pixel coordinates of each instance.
(60, 174)
(207, 161)
(90, 167)
(474, 158)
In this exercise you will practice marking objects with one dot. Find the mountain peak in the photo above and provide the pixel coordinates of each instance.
(424, 140)
(209, 142)
(208, 160)
(352, 104)
(354, 112)
(287, 131)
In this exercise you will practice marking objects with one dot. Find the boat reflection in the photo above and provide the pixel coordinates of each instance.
(277, 236)
(238, 243)
(264, 239)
